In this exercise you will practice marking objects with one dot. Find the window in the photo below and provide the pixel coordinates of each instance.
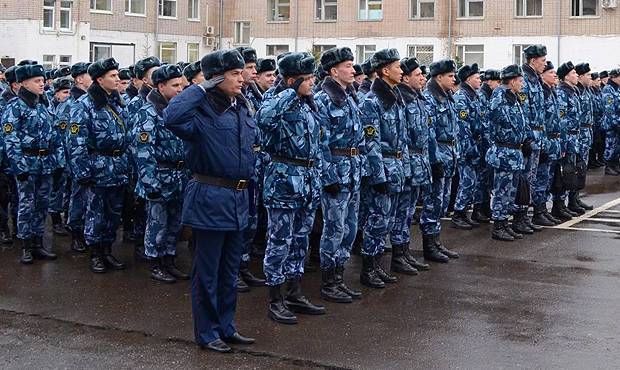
(168, 8)
(193, 9)
(242, 33)
(135, 7)
(584, 8)
(422, 9)
(471, 54)
(65, 61)
(168, 52)
(327, 10)
(518, 55)
(275, 50)
(529, 8)
(49, 61)
(100, 51)
(193, 52)
(319, 49)
(65, 15)
(48, 14)
(471, 8)
(424, 53)
(371, 10)
(365, 51)
(101, 5)
(279, 10)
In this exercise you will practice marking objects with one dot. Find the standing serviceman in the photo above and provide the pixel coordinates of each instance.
(587, 101)
(611, 100)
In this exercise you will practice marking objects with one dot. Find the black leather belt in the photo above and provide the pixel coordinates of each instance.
(397, 155)
(345, 152)
(36, 152)
(538, 128)
(107, 153)
(171, 165)
(447, 142)
(573, 132)
(511, 146)
(416, 151)
(553, 135)
(238, 185)
(309, 163)
(589, 125)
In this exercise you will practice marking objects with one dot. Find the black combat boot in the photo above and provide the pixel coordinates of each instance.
(399, 261)
(611, 170)
(383, 275)
(478, 214)
(441, 248)
(549, 216)
(413, 262)
(581, 204)
(540, 218)
(77, 241)
(431, 253)
(248, 277)
(277, 311)
(558, 212)
(138, 248)
(500, 233)
(110, 261)
(26, 251)
(39, 252)
(57, 225)
(171, 267)
(368, 275)
(469, 220)
(459, 221)
(339, 278)
(5, 237)
(159, 273)
(329, 288)
(96, 259)
(573, 206)
(297, 302)
(529, 223)
(518, 224)
(242, 287)
(514, 234)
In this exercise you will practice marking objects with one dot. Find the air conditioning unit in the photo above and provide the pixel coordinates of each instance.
(609, 4)
(209, 41)
(209, 30)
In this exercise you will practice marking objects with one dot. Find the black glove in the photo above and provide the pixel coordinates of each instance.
(297, 83)
(332, 189)
(381, 188)
(544, 157)
(87, 181)
(23, 176)
(210, 84)
(526, 148)
(154, 195)
(437, 170)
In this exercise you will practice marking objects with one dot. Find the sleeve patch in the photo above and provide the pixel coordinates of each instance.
(144, 137)
(8, 128)
(370, 131)
(610, 100)
(522, 97)
(75, 128)
(463, 114)
(562, 113)
(63, 125)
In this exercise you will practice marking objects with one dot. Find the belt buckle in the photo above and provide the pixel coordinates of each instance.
(116, 153)
(310, 163)
(399, 155)
(180, 165)
(353, 152)
(241, 185)
(41, 152)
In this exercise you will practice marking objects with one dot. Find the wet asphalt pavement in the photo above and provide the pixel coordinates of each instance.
(549, 301)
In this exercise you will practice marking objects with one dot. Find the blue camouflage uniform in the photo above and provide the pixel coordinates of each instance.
(611, 102)
(33, 147)
(470, 132)
(59, 199)
(569, 108)
(161, 176)
(292, 184)
(339, 116)
(484, 185)
(509, 129)
(586, 121)
(99, 159)
(444, 127)
(11, 185)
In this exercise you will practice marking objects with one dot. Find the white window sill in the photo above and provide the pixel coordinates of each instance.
(135, 15)
(585, 17)
(370, 20)
(528, 16)
(166, 17)
(108, 12)
(193, 19)
(422, 19)
(470, 18)
(276, 22)
(325, 20)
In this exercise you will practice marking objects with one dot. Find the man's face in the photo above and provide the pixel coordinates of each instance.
(147, 76)
(516, 84)
(266, 80)
(249, 73)
(392, 73)
(572, 78)
(596, 83)
(35, 85)
(359, 79)
(616, 80)
(586, 79)
(171, 88)
(109, 81)
(414, 79)
(446, 81)
(493, 84)
(538, 64)
(305, 89)
(343, 72)
(474, 81)
(550, 77)
(199, 78)
(122, 86)
(2, 78)
(61, 95)
(84, 80)
(604, 80)
(233, 82)
(136, 82)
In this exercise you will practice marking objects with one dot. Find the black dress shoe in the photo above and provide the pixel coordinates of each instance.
(5, 237)
(242, 287)
(218, 346)
(239, 339)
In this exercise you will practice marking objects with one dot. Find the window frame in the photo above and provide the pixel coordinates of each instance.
(415, 54)
(160, 9)
(129, 12)
(542, 10)
(419, 17)
(100, 11)
(333, 3)
(235, 33)
(160, 47)
(64, 64)
(597, 15)
(463, 59)
(521, 56)
(53, 9)
(70, 11)
(367, 3)
(46, 63)
(322, 47)
(197, 15)
(273, 55)
(197, 44)
(276, 6)
(466, 15)
(361, 58)
(94, 45)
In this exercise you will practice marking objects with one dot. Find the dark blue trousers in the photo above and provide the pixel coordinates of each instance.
(214, 283)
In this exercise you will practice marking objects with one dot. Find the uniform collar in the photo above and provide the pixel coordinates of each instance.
(76, 92)
(386, 94)
(8, 94)
(336, 92)
(409, 95)
(101, 98)
(486, 89)
(158, 101)
(437, 92)
(29, 98)
(469, 91)
(144, 91)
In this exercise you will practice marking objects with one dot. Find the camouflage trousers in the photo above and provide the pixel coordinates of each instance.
(542, 185)
(435, 199)
(504, 193)
(585, 142)
(531, 169)
(612, 151)
(8, 201)
(381, 215)
(59, 199)
(339, 227)
(103, 214)
(33, 202)
(363, 208)
(287, 243)
(484, 185)
(77, 207)
(405, 210)
(562, 195)
(468, 179)
(250, 232)
(162, 227)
